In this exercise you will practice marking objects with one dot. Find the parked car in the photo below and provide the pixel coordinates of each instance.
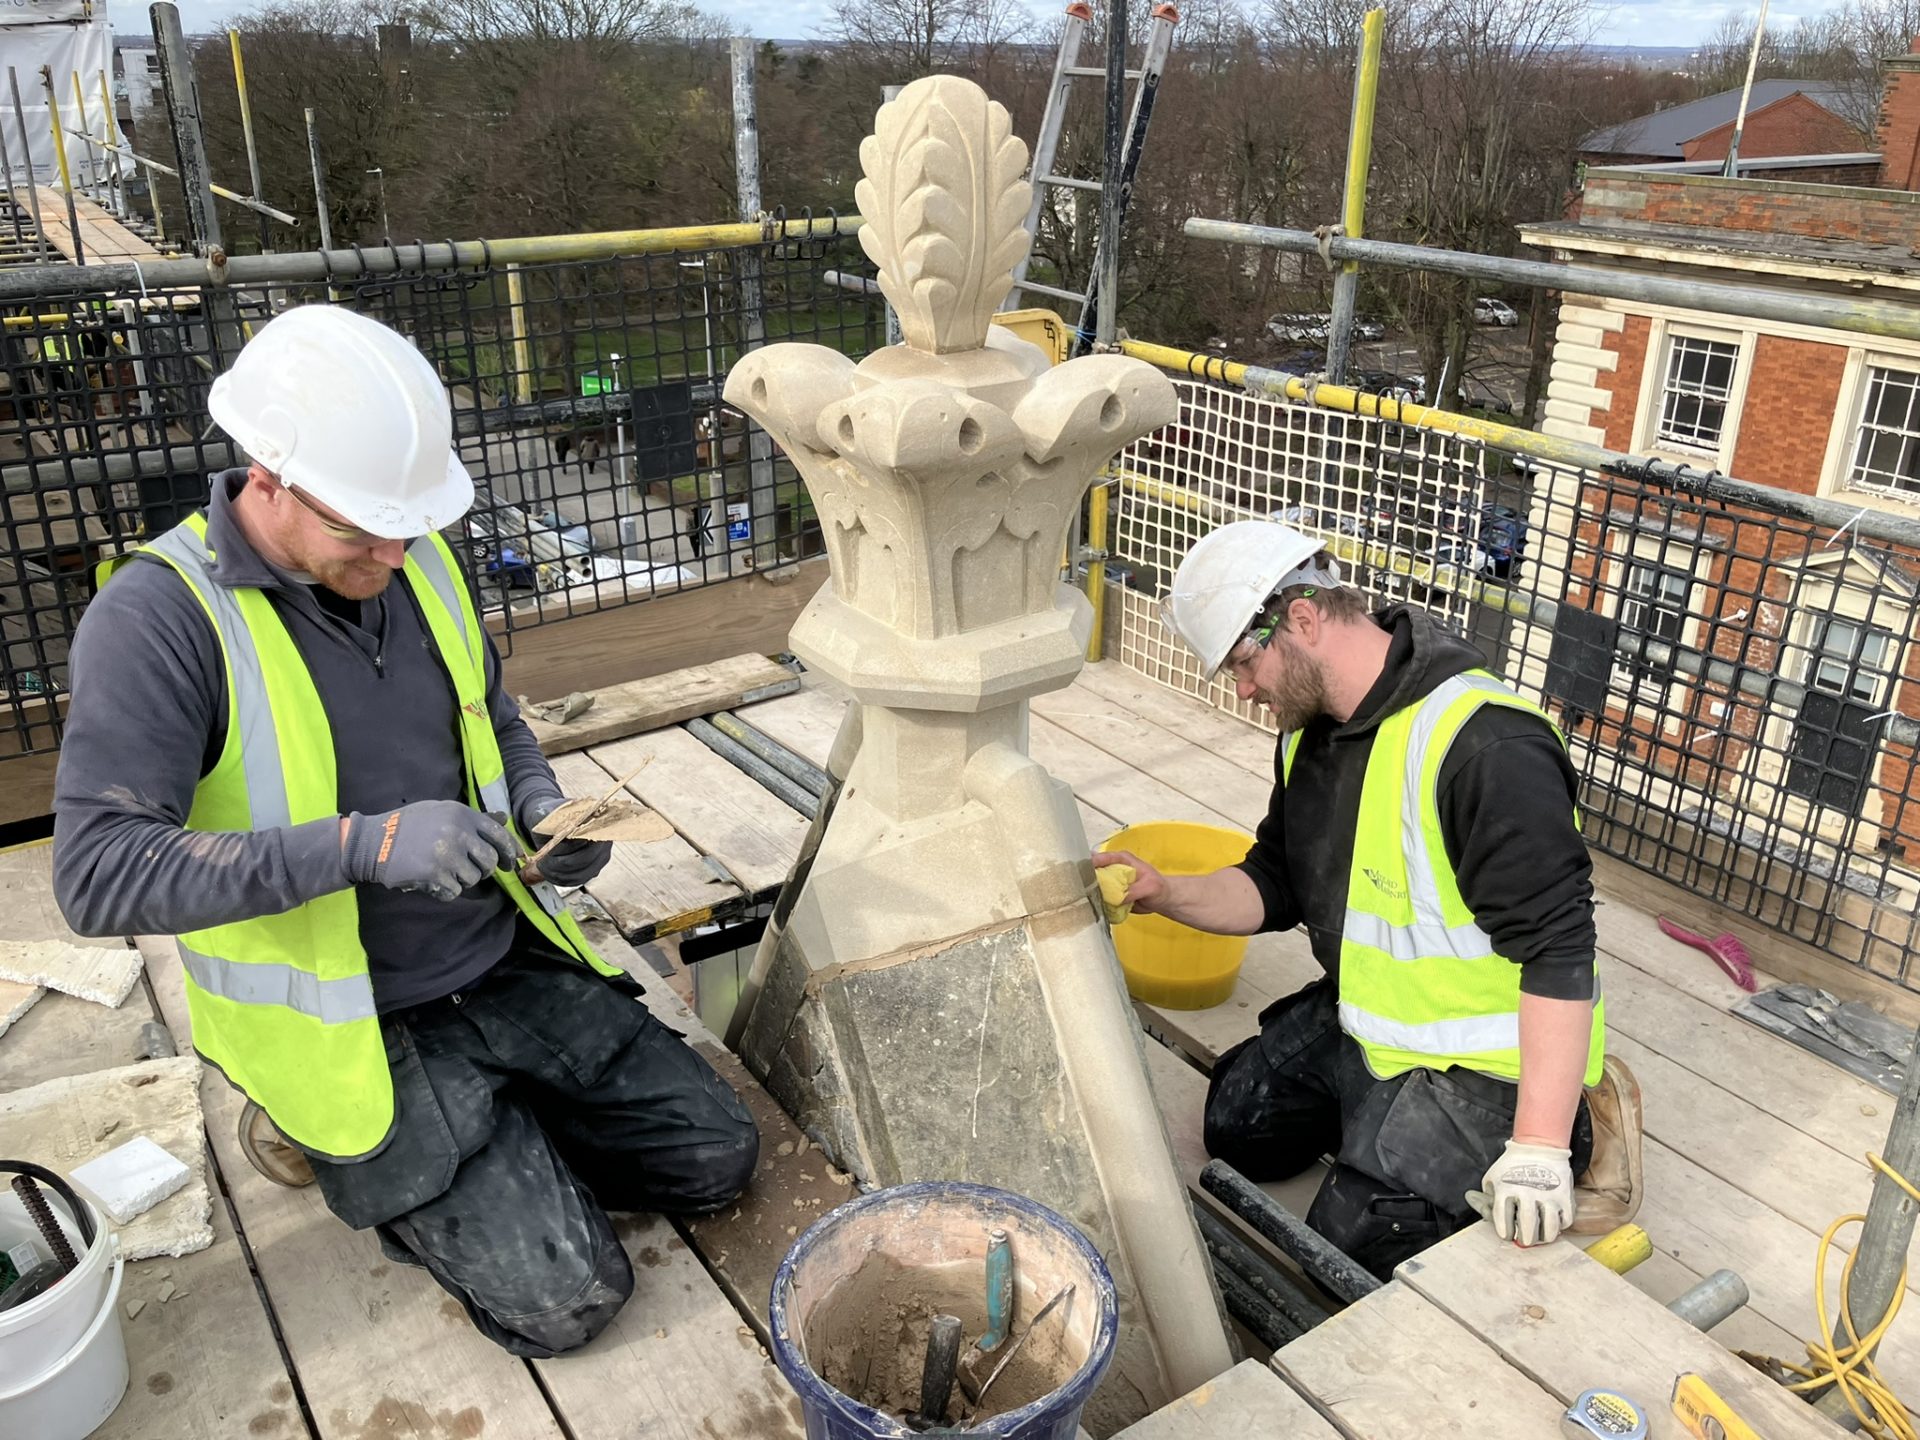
(1408, 388)
(1314, 329)
(1489, 311)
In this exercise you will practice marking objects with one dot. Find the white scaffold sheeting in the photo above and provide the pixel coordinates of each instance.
(86, 47)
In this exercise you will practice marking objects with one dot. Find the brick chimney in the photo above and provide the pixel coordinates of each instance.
(1899, 133)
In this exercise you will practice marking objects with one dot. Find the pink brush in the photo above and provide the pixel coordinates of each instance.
(1725, 949)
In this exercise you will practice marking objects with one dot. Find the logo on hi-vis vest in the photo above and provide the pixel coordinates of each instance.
(1385, 884)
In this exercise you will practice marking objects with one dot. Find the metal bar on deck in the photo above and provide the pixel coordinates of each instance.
(797, 768)
(1322, 1261)
(731, 750)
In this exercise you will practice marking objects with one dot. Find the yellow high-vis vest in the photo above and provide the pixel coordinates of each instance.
(284, 1004)
(1420, 981)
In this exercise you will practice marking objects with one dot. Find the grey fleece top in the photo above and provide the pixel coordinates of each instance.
(148, 718)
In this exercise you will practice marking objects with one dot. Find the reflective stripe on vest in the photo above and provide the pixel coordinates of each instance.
(259, 744)
(1420, 981)
(255, 983)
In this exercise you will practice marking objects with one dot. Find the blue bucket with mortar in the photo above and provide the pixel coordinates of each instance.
(856, 1295)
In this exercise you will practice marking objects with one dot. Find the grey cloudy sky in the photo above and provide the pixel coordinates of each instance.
(1635, 22)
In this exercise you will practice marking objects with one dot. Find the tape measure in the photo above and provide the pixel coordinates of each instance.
(1604, 1415)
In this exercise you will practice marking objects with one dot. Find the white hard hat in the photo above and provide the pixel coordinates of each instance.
(1229, 575)
(348, 410)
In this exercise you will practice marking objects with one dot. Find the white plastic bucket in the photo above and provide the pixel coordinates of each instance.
(73, 1397)
(39, 1334)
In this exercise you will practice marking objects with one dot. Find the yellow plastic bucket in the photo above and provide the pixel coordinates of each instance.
(1167, 963)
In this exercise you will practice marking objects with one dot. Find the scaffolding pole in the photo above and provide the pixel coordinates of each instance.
(1353, 210)
(183, 114)
(113, 150)
(246, 132)
(1106, 314)
(26, 151)
(1898, 319)
(163, 168)
(321, 206)
(762, 508)
(295, 267)
(60, 154)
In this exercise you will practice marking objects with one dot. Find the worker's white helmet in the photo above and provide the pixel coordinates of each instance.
(1229, 575)
(348, 410)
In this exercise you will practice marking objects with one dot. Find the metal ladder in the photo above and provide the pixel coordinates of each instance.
(1065, 70)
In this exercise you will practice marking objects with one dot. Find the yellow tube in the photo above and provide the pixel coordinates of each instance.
(59, 138)
(1097, 503)
(1620, 1250)
(1360, 137)
(522, 352)
(1572, 453)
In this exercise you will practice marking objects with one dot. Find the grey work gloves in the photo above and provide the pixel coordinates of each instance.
(572, 862)
(443, 847)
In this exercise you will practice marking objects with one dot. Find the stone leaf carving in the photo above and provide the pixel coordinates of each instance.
(946, 209)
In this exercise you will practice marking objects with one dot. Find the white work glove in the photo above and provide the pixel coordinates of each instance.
(1527, 1193)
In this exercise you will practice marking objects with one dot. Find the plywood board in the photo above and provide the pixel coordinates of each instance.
(677, 1363)
(1783, 1168)
(1566, 1322)
(723, 811)
(67, 1121)
(644, 884)
(1709, 1225)
(1248, 1401)
(102, 238)
(1227, 736)
(1396, 1367)
(1800, 1089)
(1220, 785)
(379, 1348)
(640, 705)
(1110, 784)
(203, 1361)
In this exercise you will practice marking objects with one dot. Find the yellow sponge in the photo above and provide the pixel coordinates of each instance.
(1115, 881)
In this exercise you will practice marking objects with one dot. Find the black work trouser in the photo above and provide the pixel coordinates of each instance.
(526, 1107)
(1405, 1150)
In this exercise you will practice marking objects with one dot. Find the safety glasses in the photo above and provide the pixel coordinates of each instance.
(344, 533)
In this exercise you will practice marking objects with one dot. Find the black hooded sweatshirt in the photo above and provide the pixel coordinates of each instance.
(1506, 790)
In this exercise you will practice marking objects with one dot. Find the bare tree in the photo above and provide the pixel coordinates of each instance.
(1475, 133)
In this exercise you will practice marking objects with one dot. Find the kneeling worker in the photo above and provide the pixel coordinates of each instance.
(312, 775)
(1423, 828)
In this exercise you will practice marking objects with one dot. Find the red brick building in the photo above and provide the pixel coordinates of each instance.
(1784, 117)
(1807, 410)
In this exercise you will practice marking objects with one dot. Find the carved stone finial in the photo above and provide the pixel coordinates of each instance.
(946, 210)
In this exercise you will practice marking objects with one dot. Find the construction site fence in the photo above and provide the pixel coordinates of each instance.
(585, 375)
(1738, 684)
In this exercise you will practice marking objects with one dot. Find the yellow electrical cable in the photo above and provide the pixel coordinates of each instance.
(1850, 1367)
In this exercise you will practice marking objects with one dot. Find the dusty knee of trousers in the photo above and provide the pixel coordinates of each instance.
(726, 1170)
(581, 1308)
